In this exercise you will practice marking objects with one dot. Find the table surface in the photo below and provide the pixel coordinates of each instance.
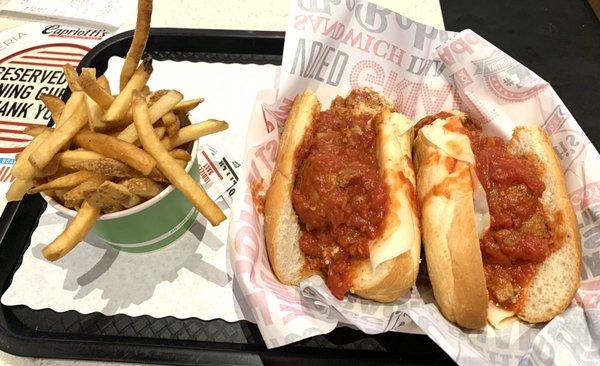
(238, 14)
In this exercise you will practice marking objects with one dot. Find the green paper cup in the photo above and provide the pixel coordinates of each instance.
(149, 226)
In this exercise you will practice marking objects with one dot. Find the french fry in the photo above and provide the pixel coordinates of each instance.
(69, 159)
(145, 91)
(23, 169)
(168, 166)
(181, 163)
(88, 70)
(67, 181)
(17, 189)
(157, 110)
(36, 130)
(151, 98)
(114, 148)
(159, 132)
(115, 168)
(72, 204)
(187, 105)
(119, 193)
(60, 194)
(118, 109)
(95, 90)
(193, 132)
(102, 202)
(172, 123)
(143, 187)
(114, 132)
(140, 37)
(50, 193)
(95, 112)
(155, 95)
(75, 196)
(63, 133)
(106, 166)
(103, 82)
(50, 169)
(180, 154)
(74, 233)
(72, 77)
(71, 108)
(54, 104)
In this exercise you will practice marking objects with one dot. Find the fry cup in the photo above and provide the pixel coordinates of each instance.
(150, 225)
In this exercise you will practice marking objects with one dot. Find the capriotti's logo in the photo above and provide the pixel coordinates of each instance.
(60, 31)
(507, 79)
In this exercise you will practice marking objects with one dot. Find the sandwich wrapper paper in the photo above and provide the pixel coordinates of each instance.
(331, 47)
(224, 273)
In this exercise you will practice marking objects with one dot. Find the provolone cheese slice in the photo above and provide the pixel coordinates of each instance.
(482, 210)
(458, 146)
(454, 144)
(401, 230)
(399, 240)
(400, 124)
(500, 318)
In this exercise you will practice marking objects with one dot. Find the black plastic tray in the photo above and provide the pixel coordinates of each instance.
(46, 333)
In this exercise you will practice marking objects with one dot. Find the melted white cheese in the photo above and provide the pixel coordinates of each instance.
(454, 144)
(482, 210)
(500, 318)
(401, 231)
(458, 146)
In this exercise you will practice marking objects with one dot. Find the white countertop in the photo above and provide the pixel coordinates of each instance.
(228, 14)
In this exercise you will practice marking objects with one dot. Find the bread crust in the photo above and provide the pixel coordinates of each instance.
(282, 230)
(396, 276)
(554, 285)
(391, 278)
(450, 239)
(451, 243)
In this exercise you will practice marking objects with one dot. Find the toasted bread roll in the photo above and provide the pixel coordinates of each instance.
(282, 230)
(390, 267)
(456, 223)
(450, 238)
(558, 277)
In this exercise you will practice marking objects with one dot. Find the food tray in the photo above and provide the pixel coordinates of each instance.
(46, 333)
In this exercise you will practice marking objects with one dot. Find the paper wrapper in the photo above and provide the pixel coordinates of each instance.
(332, 47)
(189, 278)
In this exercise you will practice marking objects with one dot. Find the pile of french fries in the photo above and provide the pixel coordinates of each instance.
(108, 153)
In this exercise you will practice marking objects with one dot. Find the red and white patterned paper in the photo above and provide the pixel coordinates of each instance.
(331, 47)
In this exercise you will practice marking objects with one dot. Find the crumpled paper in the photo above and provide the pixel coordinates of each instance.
(331, 47)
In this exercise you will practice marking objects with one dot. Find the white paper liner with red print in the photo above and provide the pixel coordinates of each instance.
(331, 47)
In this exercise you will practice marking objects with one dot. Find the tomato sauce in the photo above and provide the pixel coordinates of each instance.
(339, 194)
(519, 238)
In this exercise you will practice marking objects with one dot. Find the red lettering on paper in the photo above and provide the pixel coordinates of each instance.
(586, 196)
(258, 301)
(376, 48)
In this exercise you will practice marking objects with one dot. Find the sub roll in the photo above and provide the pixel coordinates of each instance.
(342, 200)
(500, 235)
